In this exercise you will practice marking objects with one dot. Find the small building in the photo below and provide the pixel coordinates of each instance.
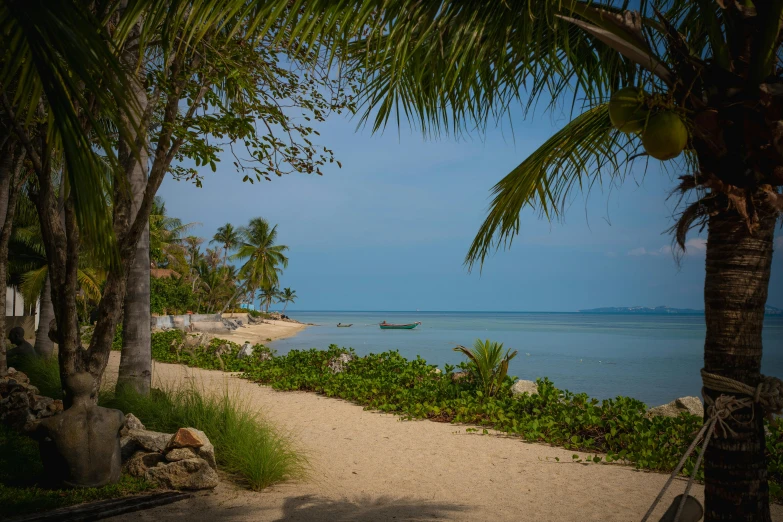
(19, 313)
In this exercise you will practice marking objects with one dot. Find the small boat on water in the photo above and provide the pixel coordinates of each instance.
(341, 325)
(389, 326)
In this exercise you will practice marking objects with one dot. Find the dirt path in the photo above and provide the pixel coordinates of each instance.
(370, 466)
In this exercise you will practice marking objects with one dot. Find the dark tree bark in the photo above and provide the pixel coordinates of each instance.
(735, 292)
(13, 172)
(44, 346)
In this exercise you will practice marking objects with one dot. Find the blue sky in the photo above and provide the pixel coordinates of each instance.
(389, 231)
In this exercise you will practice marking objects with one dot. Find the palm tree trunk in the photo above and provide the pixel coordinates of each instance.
(735, 293)
(136, 359)
(43, 345)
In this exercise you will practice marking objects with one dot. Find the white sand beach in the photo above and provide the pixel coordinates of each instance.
(368, 466)
(269, 330)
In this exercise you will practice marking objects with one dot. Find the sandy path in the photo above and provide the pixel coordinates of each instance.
(370, 466)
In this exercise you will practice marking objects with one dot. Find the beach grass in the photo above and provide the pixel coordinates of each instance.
(249, 449)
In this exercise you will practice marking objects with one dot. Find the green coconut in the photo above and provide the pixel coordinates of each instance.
(665, 136)
(627, 110)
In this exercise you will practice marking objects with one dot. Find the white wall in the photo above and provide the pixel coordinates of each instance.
(18, 310)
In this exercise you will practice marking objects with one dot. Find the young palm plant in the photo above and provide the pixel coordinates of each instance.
(488, 364)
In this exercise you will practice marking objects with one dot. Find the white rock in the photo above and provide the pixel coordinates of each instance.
(337, 365)
(190, 474)
(690, 405)
(152, 441)
(178, 454)
(245, 351)
(520, 387)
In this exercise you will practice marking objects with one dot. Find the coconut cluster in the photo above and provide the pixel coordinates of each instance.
(664, 134)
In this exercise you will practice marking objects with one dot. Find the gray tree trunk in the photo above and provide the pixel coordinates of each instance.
(43, 344)
(136, 358)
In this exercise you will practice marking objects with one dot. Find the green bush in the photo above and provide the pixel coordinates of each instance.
(171, 296)
(21, 473)
(245, 447)
(217, 355)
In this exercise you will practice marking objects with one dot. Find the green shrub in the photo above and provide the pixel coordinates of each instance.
(245, 446)
(171, 296)
(171, 346)
(21, 472)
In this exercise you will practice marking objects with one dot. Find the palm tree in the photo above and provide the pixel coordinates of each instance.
(167, 246)
(287, 296)
(265, 258)
(704, 75)
(228, 237)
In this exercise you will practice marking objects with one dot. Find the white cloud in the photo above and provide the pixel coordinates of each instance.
(641, 251)
(696, 245)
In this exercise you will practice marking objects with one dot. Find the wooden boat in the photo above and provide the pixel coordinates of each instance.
(389, 326)
(341, 325)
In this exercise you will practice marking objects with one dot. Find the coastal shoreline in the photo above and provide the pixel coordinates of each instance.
(269, 330)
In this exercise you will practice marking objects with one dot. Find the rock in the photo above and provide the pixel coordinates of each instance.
(18, 376)
(152, 441)
(337, 365)
(690, 405)
(458, 376)
(178, 454)
(264, 356)
(21, 407)
(186, 438)
(140, 462)
(520, 387)
(131, 423)
(207, 451)
(245, 351)
(189, 474)
(128, 448)
(436, 371)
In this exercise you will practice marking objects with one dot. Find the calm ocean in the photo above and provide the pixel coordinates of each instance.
(654, 358)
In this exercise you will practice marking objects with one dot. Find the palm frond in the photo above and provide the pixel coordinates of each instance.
(575, 157)
(33, 283)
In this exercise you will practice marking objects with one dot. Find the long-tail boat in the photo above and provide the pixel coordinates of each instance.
(389, 326)
(341, 325)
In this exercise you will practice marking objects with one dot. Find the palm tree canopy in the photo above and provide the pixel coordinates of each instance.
(265, 258)
(167, 245)
(226, 236)
(455, 65)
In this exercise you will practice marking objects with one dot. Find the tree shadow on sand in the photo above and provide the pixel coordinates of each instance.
(362, 508)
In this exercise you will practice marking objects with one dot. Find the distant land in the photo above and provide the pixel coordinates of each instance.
(659, 310)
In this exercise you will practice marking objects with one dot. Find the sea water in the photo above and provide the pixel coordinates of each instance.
(653, 358)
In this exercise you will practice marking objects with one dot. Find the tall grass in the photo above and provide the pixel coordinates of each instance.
(246, 447)
(44, 374)
(252, 451)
